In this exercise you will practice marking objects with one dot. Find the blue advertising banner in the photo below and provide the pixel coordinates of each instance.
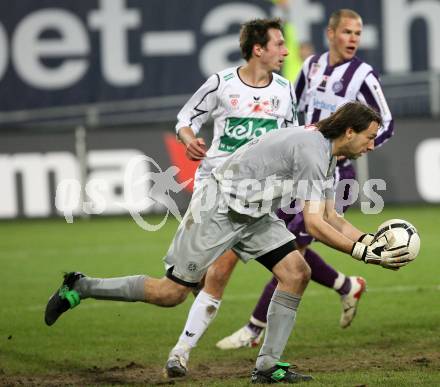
(60, 53)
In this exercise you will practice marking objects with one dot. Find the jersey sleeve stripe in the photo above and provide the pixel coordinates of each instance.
(369, 98)
(294, 120)
(386, 131)
(385, 135)
(196, 108)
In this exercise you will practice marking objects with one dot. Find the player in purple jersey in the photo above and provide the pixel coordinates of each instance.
(326, 82)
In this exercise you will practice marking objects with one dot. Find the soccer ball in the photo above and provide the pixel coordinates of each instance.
(405, 234)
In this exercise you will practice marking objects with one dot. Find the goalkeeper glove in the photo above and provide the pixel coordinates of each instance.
(366, 239)
(377, 254)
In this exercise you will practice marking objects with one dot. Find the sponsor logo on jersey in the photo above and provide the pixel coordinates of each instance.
(239, 131)
(322, 105)
(323, 83)
(337, 86)
(269, 106)
(256, 105)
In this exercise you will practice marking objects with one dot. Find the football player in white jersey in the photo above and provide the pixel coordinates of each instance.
(327, 81)
(244, 102)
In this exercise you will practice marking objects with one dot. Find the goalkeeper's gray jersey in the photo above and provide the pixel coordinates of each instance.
(270, 171)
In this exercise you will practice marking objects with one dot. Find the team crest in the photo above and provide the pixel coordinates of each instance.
(314, 69)
(274, 103)
(234, 103)
(192, 266)
(337, 86)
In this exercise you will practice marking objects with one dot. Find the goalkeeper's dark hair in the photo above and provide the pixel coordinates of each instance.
(353, 115)
(255, 32)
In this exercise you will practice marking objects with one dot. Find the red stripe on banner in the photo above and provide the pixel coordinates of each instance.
(176, 152)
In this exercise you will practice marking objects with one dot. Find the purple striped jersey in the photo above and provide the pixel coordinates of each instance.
(320, 89)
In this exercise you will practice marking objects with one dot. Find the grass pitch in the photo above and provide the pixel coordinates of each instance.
(394, 340)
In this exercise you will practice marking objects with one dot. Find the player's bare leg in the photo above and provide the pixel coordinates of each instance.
(293, 274)
(219, 273)
(164, 292)
(76, 286)
(202, 313)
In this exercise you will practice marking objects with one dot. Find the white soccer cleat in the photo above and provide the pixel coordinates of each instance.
(244, 337)
(177, 363)
(350, 301)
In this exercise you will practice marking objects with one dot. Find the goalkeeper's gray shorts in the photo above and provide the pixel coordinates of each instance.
(205, 235)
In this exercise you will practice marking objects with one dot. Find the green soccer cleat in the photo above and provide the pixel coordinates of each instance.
(279, 373)
(63, 299)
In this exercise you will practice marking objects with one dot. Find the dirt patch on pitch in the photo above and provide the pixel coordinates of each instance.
(201, 374)
(130, 374)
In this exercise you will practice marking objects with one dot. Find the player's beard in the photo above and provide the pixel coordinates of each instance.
(354, 156)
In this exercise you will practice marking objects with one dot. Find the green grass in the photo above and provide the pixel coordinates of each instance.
(394, 341)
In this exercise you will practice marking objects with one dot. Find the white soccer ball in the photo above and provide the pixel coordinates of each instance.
(405, 234)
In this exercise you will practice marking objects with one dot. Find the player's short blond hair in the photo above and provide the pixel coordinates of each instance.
(335, 17)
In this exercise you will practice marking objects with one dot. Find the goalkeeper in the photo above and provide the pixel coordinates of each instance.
(239, 217)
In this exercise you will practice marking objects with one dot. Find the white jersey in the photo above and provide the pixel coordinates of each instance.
(240, 113)
(321, 89)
